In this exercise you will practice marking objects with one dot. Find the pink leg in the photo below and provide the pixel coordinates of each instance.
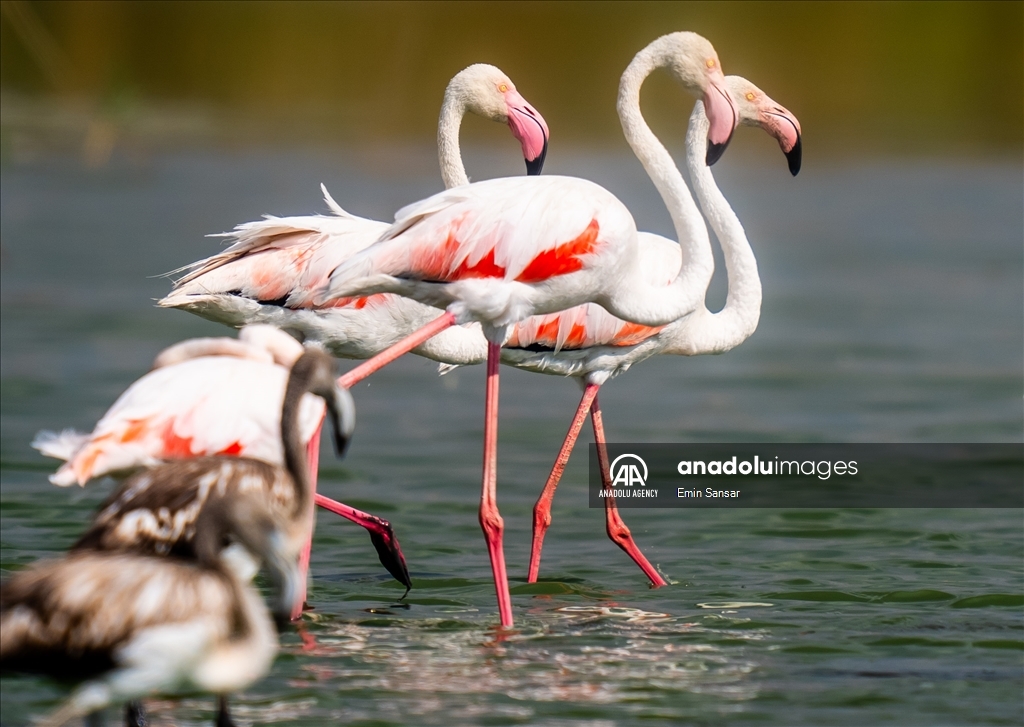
(490, 519)
(313, 463)
(542, 510)
(617, 529)
(382, 359)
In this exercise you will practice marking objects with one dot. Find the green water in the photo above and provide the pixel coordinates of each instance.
(893, 312)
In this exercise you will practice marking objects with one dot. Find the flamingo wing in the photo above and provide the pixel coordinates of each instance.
(584, 326)
(210, 405)
(517, 229)
(278, 260)
(590, 325)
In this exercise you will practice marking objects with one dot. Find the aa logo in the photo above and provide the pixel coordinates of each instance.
(632, 471)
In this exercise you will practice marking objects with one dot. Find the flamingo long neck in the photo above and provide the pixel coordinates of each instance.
(716, 332)
(449, 153)
(650, 305)
(291, 436)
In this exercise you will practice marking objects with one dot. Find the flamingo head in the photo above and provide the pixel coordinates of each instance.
(756, 108)
(487, 92)
(314, 372)
(693, 61)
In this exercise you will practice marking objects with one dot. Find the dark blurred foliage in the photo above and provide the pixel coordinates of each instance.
(875, 78)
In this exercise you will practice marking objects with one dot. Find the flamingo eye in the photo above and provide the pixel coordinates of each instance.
(710, 62)
(750, 96)
(503, 87)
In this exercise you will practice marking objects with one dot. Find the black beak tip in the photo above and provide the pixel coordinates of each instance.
(715, 152)
(340, 444)
(391, 557)
(535, 166)
(794, 156)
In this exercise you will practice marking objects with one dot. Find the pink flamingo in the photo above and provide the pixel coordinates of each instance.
(593, 346)
(212, 396)
(588, 343)
(275, 265)
(500, 251)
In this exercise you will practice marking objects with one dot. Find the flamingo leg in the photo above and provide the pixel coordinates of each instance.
(382, 359)
(617, 529)
(542, 510)
(313, 465)
(490, 520)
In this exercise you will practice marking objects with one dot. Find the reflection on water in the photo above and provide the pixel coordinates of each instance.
(893, 312)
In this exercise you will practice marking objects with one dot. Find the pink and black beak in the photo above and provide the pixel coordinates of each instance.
(785, 128)
(530, 128)
(722, 116)
(390, 553)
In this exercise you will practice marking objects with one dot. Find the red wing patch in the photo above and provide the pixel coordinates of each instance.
(438, 265)
(356, 303)
(628, 334)
(633, 333)
(175, 446)
(232, 450)
(564, 258)
(484, 268)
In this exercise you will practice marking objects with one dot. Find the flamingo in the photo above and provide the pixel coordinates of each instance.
(129, 625)
(213, 396)
(270, 272)
(157, 510)
(502, 250)
(593, 346)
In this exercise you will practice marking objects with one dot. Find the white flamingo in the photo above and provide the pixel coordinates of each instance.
(500, 251)
(270, 272)
(593, 346)
(207, 397)
(590, 344)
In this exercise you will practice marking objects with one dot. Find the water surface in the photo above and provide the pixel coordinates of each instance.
(893, 313)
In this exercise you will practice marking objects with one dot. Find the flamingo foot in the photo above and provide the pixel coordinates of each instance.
(621, 536)
(616, 528)
(494, 530)
(382, 535)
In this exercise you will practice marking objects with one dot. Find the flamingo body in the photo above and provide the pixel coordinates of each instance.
(133, 625)
(267, 276)
(274, 267)
(498, 251)
(178, 411)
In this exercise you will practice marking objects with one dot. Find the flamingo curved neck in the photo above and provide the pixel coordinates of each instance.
(449, 153)
(650, 305)
(291, 439)
(715, 332)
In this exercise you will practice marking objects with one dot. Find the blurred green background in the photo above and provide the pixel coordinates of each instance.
(864, 78)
